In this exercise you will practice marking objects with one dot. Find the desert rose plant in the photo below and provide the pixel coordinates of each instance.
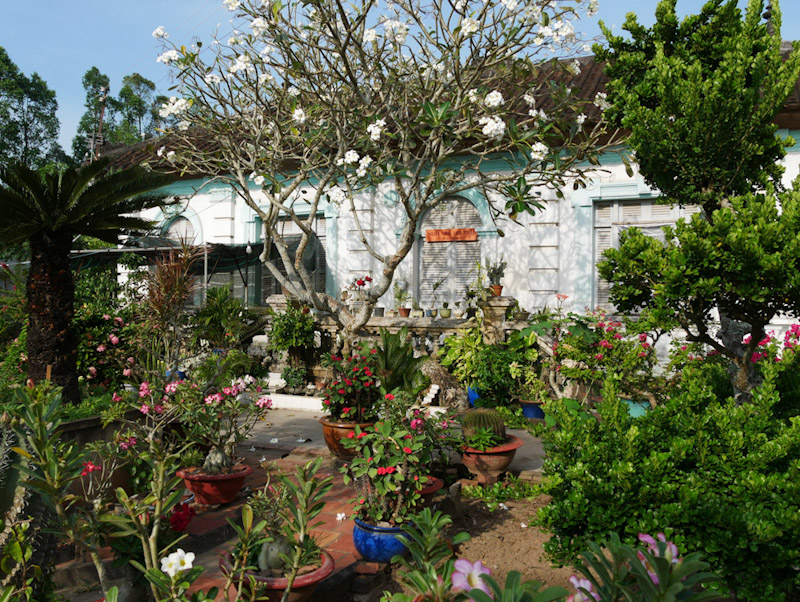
(352, 394)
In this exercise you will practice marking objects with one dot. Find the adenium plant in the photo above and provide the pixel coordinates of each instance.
(352, 394)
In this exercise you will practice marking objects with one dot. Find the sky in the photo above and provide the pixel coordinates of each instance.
(60, 40)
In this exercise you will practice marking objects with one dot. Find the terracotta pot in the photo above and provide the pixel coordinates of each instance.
(302, 588)
(213, 489)
(334, 431)
(497, 289)
(492, 462)
(432, 486)
(404, 312)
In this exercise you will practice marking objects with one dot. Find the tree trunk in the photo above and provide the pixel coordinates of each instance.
(742, 371)
(51, 295)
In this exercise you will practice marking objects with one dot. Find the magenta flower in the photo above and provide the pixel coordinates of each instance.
(144, 389)
(467, 575)
(101, 348)
(144, 409)
(126, 372)
(113, 338)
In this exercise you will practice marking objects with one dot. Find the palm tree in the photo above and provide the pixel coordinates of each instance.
(49, 210)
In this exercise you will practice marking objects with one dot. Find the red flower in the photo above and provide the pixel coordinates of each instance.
(341, 391)
(389, 396)
(351, 434)
(367, 278)
(407, 450)
(374, 351)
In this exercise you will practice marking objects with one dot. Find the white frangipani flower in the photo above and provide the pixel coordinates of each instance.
(363, 166)
(177, 562)
(168, 56)
(184, 125)
(469, 26)
(175, 106)
(601, 101)
(293, 91)
(580, 119)
(370, 35)
(539, 151)
(472, 95)
(396, 31)
(350, 157)
(257, 179)
(509, 4)
(160, 33)
(493, 99)
(160, 151)
(299, 116)
(336, 195)
(594, 6)
(231, 4)
(213, 79)
(243, 63)
(259, 25)
(170, 154)
(341, 516)
(493, 127)
(375, 129)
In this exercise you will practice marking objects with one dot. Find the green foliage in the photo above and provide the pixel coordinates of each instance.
(512, 488)
(291, 329)
(225, 367)
(352, 394)
(493, 378)
(495, 271)
(483, 439)
(294, 377)
(221, 320)
(396, 366)
(461, 354)
(715, 477)
(617, 572)
(14, 366)
(699, 97)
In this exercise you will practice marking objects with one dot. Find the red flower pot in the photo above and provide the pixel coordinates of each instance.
(497, 289)
(404, 311)
(213, 489)
(334, 431)
(429, 490)
(490, 463)
(302, 588)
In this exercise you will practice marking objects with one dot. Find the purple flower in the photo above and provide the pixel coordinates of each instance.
(583, 590)
(467, 575)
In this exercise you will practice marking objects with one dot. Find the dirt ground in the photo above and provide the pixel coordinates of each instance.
(500, 541)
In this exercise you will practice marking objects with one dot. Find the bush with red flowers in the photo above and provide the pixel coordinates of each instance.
(352, 393)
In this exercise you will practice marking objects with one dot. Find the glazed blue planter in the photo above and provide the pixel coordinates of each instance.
(377, 544)
(532, 410)
(637, 409)
(472, 396)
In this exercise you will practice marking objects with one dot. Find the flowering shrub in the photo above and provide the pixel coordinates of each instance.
(352, 393)
(357, 289)
(387, 470)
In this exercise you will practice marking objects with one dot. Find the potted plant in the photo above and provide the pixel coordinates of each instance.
(292, 331)
(494, 272)
(388, 474)
(416, 310)
(288, 559)
(487, 450)
(349, 397)
(400, 300)
(218, 418)
(221, 321)
(436, 286)
(445, 312)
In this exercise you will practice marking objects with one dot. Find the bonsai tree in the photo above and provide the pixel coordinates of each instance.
(48, 211)
(495, 271)
(669, 85)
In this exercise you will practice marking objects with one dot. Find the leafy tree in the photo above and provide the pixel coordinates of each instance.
(699, 97)
(49, 211)
(96, 85)
(410, 99)
(134, 107)
(28, 122)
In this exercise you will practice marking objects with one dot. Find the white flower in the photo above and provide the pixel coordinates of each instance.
(170, 154)
(184, 125)
(336, 195)
(177, 562)
(259, 25)
(160, 32)
(350, 158)
(574, 67)
(168, 57)
(493, 99)
(252, 448)
(175, 106)
(469, 26)
(523, 526)
(257, 179)
(472, 95)
(601, 101)
(493, 127)
(580, 119)
(273, 440)
(160, 151)
(460, 5)
(262, 460)
(538, 114)
(363, 166)
(539, 151)
(264, 78)
(212, 79)
(503, 506)
(231, 4)
(396, 31)
(375, 129)
(530, 99)
(509, 4)
(370, 35)
(593, 7)
(243, 63)
(293, 91)
(299, 116)
(341, 516)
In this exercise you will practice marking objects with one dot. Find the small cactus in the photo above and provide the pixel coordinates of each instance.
(483, 418)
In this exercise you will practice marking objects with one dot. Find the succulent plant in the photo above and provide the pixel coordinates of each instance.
(483, 418)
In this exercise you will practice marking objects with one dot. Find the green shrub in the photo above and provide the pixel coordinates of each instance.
(716, 478)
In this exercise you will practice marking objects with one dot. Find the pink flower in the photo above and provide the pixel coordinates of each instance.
(119, 320)
(467, 576)
(113, 338)
(106, 317)
(583, 590)
(126, 372)
(144, 389)
(264, 402)
(101, 348)
(598, 356)
(130, 360)
(115, 397)
(606, 344)
(92, 371)
(158, 409)
(144, 409)
(642, 337)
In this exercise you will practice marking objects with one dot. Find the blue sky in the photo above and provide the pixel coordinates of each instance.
(62, 39)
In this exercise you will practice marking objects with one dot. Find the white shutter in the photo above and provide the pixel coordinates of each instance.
(602, 242)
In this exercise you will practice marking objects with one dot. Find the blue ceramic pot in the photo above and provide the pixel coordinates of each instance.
(637, 409)
(532, 410)
(377, 544)
(472, 396)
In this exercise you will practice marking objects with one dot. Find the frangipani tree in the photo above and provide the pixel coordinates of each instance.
(309, 103)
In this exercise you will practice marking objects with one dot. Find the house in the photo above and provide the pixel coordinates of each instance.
(552, 252)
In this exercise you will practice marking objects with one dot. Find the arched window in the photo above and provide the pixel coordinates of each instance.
(181, 229)
(449, 262)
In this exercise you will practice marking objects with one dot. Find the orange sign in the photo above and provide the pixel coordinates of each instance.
(451, 235)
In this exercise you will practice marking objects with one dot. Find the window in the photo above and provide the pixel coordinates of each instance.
(453, 263)
(612, 217)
